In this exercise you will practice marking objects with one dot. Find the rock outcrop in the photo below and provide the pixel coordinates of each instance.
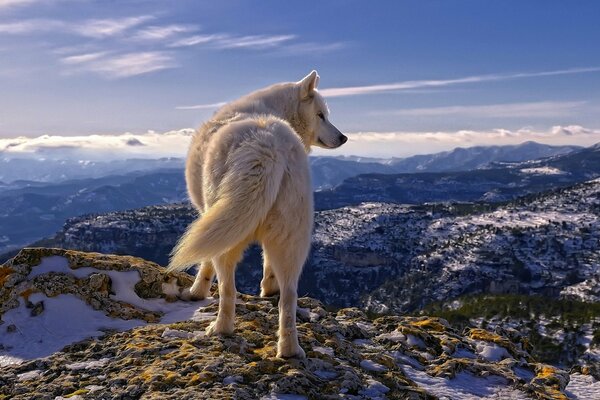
(148, 343)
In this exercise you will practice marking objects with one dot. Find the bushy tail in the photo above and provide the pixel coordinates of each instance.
(246, 194)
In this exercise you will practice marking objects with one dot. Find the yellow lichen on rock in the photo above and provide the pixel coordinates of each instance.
(4, 274)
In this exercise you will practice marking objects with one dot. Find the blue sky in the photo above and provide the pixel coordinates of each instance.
(508, 71)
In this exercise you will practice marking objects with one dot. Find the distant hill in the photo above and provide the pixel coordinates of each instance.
(462, 159)
(57, 170)
(34, 211)
(504, 181)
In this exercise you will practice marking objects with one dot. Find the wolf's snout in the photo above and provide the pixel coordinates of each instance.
(343, 139)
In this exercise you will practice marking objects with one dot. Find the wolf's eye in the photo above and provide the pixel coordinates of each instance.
(321, 115)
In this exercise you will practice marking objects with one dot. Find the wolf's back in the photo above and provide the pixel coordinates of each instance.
(246, 193)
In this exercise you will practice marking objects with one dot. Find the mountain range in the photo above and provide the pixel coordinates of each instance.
(498, 182)
(32, 210)
(391, 258)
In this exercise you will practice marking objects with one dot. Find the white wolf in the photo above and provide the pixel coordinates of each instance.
(247, 171)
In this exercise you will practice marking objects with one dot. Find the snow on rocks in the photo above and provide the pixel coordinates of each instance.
(349, 355)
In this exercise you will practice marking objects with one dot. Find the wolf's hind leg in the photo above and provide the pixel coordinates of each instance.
(204, 279)
(225, 266)
(268, 285)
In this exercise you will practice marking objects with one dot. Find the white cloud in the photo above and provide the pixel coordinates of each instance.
(150, 144)
(83, 58)
(121, 65)
(254, 42)
(229, 41)
(201, 106)
(100, 28)
(130, 64)
(157, 33)
(197, 39)
(11, 3)
(507, 110)
(405, 85)
(30, 25)
(93, 28)
(374, 144)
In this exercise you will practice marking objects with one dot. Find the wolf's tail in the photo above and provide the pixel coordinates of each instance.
(246, 194)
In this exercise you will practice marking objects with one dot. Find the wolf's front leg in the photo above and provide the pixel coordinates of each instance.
(286, 263)
(288, 345)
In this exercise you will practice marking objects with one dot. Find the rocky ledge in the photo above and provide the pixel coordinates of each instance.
(89, 326)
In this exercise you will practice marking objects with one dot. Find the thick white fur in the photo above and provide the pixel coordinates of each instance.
(247, 171)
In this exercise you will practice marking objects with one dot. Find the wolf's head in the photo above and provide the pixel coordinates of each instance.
(312, 119)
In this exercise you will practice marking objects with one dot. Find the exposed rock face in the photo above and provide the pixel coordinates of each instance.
(348, 354)
(55, 271)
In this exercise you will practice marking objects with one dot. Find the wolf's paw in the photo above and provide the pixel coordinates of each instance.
(218, 328)
(290, 352)
(268, 286)
(188, 295)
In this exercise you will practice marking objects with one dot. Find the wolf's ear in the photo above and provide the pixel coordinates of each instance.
(308, 84)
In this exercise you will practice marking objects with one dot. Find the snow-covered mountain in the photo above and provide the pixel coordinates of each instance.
(476, 157)
(331, 171)
(501, 182)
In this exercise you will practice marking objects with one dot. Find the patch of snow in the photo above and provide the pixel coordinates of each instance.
(179, 334)
(464, 386)
(394, 336)
(375, 391)
(123, 284)
(52, 264)
(94, 388)
(324, 350)
(543, 171)
(583, 387)
(366, 327)
(412, 340)
(404, 359)
(30, 375)
(66, 319)
(77, 366)
(372, 366)
(492, 351)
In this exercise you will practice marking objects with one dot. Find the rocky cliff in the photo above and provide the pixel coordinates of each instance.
(90, 326)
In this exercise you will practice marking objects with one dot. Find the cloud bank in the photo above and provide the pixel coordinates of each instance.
(371, 144)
